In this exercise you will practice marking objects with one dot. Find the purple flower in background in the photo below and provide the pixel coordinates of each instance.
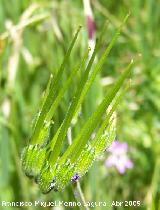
(118, 157)
(75, 178)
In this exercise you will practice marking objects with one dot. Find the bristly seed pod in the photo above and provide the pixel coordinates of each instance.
(29, 154)
(63, 174)
(46, 179)
(105, 140)
(85, 160)
(32, 160)
(33, 156)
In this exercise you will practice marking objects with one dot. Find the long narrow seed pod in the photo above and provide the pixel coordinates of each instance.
(58, 175)
(80, 165)
(76, 101)
(33, 156)
(52, 93)
(91, 124)
(101, 61)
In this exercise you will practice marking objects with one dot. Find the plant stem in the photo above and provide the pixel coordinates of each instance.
(78, 194)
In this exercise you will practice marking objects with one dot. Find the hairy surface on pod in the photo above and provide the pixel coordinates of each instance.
(105, 141)
(85, 160)
(64, 174)
(28, 157)
(46, 179)
(32, 160)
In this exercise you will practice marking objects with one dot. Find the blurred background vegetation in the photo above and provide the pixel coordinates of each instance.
(34, 37)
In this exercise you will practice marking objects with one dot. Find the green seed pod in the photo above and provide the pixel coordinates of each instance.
(44, 134)
(32, 160)
(39, 161)
(64, 174)
(105, 140)
(53, 174)
(46, 178)
(85, 160)
(28, 157)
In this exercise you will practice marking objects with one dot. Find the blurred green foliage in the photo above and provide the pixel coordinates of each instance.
(43, 45)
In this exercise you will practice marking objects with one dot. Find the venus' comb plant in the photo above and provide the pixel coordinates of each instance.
(41, 159)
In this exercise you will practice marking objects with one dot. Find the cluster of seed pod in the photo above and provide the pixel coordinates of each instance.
(73, 164)
(41, 159)
(36, 165)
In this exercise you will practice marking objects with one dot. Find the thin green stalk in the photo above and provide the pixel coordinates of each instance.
(44, 98)
(78, 194)
(99, 65)
(57, 100)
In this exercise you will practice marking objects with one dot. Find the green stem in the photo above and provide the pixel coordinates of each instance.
(78, 194)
